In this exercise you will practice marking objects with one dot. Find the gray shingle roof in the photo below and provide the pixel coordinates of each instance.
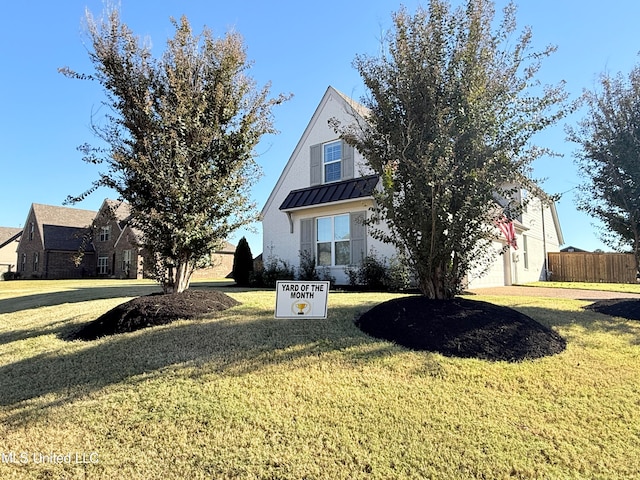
(330, 192)
(58, 237)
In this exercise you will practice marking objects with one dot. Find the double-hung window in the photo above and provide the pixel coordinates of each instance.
(332, 162)
(333, 240)
(103, 265)
(126, 260)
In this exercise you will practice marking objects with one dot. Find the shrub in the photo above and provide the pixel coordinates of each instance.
(307, 269)
(10, 275)
(274, 269)
(371, 273)
(242, 263)
(375, 273)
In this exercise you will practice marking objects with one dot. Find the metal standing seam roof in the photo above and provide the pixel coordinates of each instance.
(331, 192)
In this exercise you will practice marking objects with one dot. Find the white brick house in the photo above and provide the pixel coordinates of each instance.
(325, 189)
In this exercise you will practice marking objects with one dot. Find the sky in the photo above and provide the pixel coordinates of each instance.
(300, 47)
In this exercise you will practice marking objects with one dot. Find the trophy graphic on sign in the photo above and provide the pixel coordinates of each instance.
(300, 307)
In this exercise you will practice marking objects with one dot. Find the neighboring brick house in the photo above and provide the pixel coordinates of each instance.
(221, 263)
(9, 239)
(51, 242)
(61, 242)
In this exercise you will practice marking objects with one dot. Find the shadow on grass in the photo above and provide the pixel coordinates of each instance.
(239, 341)
(77, 295)
(230, 344)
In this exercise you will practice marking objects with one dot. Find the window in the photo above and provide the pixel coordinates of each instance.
(525, 252)
(35, 262)
(103, 265)
(105, 232)
(31, 230)
(333, 240)
(126, 261)
(23, 264)
(332, 162)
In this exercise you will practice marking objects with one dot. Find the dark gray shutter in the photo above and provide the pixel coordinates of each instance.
(306, 236)
(316, 164)
(347, 161)
(358, 237)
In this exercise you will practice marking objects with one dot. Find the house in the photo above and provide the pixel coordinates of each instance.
(325, 191)
(221, 263)
(52, 239)
(9, 238)
(61, 242)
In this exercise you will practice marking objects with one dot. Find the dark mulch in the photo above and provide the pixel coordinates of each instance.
(617, 307)
(461, 328)
(153, 310)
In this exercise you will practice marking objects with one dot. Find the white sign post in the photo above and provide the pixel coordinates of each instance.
(301, 299)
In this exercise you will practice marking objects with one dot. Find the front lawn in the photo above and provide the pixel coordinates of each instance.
(240, 394)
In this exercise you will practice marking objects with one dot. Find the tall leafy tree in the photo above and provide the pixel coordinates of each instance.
(453, 103)
(609, 159)
(181, 131)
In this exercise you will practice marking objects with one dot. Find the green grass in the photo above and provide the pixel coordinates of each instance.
(243, 395)
(609, 287)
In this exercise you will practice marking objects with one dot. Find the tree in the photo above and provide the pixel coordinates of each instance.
(609, 159)
(452, 106)
(242, 263)
(181, 132)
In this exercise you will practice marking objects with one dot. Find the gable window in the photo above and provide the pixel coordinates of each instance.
(105, 233)
(103, 265)
(31, 230)
(332, 162)
(333, 240)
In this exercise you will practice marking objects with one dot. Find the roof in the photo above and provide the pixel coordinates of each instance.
(63, 216)
(50, 215)
(331, 192)
(8, 235)
(120, 210)
(58, 237)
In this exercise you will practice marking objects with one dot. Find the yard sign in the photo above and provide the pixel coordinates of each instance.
(301, 299)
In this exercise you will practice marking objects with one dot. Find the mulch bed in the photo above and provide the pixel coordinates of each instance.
(617, 307)
(461, 328)
(153, 310)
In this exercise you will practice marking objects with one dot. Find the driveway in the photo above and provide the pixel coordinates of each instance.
(553, 293)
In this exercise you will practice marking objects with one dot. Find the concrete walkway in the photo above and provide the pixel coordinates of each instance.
(553, 292)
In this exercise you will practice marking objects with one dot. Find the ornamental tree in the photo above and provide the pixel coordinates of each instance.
(453, 103)
(180, 134)
(609, 159)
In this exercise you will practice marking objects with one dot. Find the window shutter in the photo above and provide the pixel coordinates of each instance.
(306, 236)
(347, 161)
(358, 237)
(316, 164)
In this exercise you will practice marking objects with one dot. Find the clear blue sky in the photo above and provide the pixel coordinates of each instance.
(301, 47)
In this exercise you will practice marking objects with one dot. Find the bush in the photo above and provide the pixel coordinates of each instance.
(373, 273)
(10, 275)
(242, 263)
(307, 269)
(274, 269)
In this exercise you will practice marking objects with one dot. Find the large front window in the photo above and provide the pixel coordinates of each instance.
(332, 162)
(333, 245)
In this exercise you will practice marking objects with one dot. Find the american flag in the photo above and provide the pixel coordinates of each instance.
(508, 230)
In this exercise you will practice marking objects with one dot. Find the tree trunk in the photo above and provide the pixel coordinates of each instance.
(183, 272)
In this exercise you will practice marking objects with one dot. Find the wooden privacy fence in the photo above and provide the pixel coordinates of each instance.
(592, 267)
